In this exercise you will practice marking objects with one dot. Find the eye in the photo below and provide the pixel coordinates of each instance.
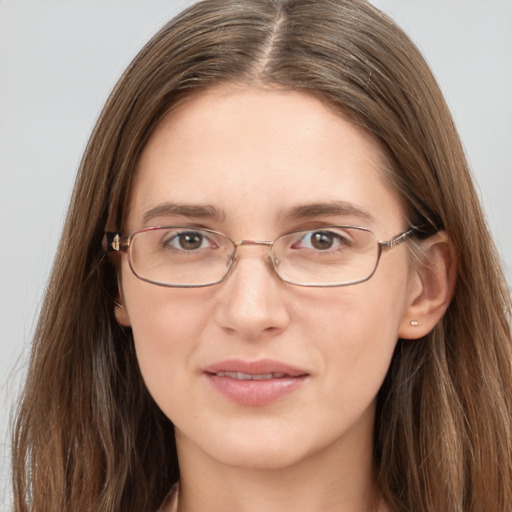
(322, 240)
(188, 241)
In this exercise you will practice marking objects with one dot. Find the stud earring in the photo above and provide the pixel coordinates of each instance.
(414, 323)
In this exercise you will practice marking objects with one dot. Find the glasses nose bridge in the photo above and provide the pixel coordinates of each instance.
(240, 243)
(265, 243)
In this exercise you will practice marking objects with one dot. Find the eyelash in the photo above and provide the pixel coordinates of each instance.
(306, 241)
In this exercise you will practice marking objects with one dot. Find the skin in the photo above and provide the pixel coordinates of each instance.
(254, 154)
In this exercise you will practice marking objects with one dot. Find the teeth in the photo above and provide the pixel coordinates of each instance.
(248, 376)
(264, 376)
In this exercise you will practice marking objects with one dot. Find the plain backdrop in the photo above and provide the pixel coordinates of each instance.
(58, 63)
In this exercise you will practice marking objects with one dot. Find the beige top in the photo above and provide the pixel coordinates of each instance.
(170, 503)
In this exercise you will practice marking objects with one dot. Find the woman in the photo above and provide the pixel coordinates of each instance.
(275, 285)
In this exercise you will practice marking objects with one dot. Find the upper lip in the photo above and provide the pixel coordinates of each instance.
(259, 367)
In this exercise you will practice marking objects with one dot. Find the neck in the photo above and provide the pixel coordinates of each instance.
(334, 479)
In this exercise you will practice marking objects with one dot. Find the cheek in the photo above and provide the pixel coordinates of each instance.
(167, 325)
(160, 325)
(359, 329)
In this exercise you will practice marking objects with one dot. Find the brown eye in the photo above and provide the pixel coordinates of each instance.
(190, 241)
(187, 241)
(322, 240)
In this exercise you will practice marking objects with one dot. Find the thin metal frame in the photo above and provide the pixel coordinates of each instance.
(114, 241)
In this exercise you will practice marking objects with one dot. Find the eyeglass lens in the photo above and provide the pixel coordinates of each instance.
(181, 256)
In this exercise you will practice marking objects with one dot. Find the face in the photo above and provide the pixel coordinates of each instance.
(248, 160)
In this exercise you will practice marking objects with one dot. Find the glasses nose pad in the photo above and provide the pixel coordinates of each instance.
(232, 260)
(274, 262)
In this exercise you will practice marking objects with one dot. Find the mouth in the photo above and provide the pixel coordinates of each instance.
(255, 383)
(250, 376)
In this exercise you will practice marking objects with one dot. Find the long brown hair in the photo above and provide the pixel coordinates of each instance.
(89, 437)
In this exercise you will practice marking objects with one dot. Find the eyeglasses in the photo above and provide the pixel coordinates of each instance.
(187, 257)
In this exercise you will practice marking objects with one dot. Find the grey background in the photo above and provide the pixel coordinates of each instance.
(60, 59)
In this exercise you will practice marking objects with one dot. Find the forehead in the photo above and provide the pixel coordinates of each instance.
(257, 153)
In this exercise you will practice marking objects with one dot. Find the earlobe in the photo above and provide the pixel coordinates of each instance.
(121, 314)
(431, 288)
(120, 311)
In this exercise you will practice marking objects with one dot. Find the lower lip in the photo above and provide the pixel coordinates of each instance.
(255, 392)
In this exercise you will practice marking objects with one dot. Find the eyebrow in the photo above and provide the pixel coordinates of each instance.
(341, 208)
(306, 211)
(198, 211)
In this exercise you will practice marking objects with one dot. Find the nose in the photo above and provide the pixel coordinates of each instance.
(251, 302)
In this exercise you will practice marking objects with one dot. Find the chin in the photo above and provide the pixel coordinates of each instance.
(260, 459)
(260, 450)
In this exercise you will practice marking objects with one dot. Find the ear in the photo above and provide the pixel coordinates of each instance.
(120, 311)
(121, 314)
(431, 289)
